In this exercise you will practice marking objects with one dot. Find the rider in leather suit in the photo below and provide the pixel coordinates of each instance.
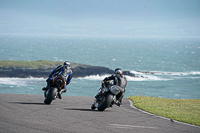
(64, 71)
(119, 80)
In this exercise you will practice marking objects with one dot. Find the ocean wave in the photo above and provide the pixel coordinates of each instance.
(129, 78)
(147, 78)
(140, 76)
(143, 73)
(94, 77)
(177, 73)
(20, 81)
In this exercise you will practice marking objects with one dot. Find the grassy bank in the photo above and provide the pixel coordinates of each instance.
(33, 64)
(184, 110)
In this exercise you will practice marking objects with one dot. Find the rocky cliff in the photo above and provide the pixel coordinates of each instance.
(79, 70)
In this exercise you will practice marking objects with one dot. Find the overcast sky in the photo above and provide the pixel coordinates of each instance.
(101, 17)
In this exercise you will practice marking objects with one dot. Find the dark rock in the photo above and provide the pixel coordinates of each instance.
(128, 73)
(79, 70)
(82, 71)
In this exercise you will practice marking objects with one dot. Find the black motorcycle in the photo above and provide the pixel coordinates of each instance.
(107, 97)
(51, 94)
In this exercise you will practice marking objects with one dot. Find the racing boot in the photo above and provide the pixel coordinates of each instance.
(118, 103)
(44, 89)
(93, 107)
(60, 92)
(48, 85)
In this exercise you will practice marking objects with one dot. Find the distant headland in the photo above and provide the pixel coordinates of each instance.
(42, 68)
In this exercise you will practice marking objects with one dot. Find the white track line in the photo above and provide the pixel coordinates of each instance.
(130, 126)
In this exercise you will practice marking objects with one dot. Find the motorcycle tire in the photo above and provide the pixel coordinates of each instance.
(105, 103)
(51, 96)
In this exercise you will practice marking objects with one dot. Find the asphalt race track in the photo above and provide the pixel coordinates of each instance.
(23, 113)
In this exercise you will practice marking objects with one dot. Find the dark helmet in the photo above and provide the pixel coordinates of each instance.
(66, 64)
(118, 71)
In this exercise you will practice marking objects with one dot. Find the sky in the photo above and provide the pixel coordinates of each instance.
(104, 18)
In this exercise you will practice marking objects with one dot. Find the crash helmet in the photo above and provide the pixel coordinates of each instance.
(66, 64)
(118, 71)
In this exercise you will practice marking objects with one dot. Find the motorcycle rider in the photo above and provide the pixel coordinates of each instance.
(64, 71)
(119, 80)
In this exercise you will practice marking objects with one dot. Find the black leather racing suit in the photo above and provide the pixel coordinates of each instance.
(120, 81)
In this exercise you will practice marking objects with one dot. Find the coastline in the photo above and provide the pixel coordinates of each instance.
(25, 71)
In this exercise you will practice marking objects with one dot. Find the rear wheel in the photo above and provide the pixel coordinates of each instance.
(51, 96)
(105, 103)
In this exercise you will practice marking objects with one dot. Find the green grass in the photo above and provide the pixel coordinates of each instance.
(184, 110)
(33, 64)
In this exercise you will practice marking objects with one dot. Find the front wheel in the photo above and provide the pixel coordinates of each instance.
(51, 96)
(106, 102)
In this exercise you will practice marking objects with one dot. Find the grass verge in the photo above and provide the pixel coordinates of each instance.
(184, 110)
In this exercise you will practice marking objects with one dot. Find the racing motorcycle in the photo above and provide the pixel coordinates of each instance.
(107, 98)
(51, 94)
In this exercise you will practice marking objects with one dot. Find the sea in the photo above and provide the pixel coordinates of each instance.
(164, 67)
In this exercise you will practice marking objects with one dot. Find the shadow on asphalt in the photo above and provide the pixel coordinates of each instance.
(29, 103)
(80, 109)
(86, 110)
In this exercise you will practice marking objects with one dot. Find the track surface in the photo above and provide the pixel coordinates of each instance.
(27, 113)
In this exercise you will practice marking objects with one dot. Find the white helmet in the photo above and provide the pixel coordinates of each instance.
(66, 64)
